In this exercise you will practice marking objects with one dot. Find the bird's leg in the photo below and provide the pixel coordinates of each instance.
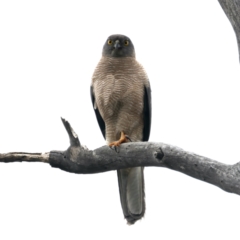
(123, 138)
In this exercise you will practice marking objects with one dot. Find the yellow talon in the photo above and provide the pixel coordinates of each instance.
(123, 138)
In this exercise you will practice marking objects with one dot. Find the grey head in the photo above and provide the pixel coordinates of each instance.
(118, 46)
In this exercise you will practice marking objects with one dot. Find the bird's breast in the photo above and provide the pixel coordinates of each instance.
(119, 90)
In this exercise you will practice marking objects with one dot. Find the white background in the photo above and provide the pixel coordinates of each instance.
(48, 52)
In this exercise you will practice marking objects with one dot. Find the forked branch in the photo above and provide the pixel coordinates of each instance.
(78, 159)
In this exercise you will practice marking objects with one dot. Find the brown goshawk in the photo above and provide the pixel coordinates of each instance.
(121, 98)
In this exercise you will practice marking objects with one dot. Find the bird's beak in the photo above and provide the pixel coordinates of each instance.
(117, 44)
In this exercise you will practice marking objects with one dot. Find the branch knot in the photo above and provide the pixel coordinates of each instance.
(159, 154)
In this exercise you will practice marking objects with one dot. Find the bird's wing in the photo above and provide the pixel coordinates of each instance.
(147, 112)
(101, 123)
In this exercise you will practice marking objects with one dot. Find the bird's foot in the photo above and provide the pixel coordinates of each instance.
(124, 138)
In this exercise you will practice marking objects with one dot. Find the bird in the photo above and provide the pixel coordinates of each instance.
(121, 98)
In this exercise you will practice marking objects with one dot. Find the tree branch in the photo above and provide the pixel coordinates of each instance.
(232, 10)
(24, 157)
(78, 159)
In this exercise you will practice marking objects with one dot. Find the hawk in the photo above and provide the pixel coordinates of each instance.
(121, 97)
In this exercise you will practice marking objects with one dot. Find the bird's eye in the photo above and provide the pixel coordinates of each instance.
(109, 42)
(126, 42)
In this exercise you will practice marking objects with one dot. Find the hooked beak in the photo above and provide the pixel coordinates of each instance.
(117, 44)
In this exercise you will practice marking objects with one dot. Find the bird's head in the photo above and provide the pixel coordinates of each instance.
(118, 46)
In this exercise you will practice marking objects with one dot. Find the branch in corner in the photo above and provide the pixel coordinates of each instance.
(232, 10)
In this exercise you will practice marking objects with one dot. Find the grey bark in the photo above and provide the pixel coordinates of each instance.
(24, 157)
(78, 159)
(232, 10)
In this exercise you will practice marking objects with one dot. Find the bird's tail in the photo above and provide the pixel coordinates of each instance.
(131, 188)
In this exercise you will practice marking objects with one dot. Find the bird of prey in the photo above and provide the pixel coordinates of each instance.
(121, 97)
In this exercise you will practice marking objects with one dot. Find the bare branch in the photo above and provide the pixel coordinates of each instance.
(24, 157)
(104, 159)
(74, 141)
(232, 10)
(77, 159)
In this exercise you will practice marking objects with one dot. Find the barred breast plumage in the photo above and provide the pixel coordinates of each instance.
(118, 85)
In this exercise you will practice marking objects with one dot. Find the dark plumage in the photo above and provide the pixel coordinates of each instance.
(121, 99)
(118, 46)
